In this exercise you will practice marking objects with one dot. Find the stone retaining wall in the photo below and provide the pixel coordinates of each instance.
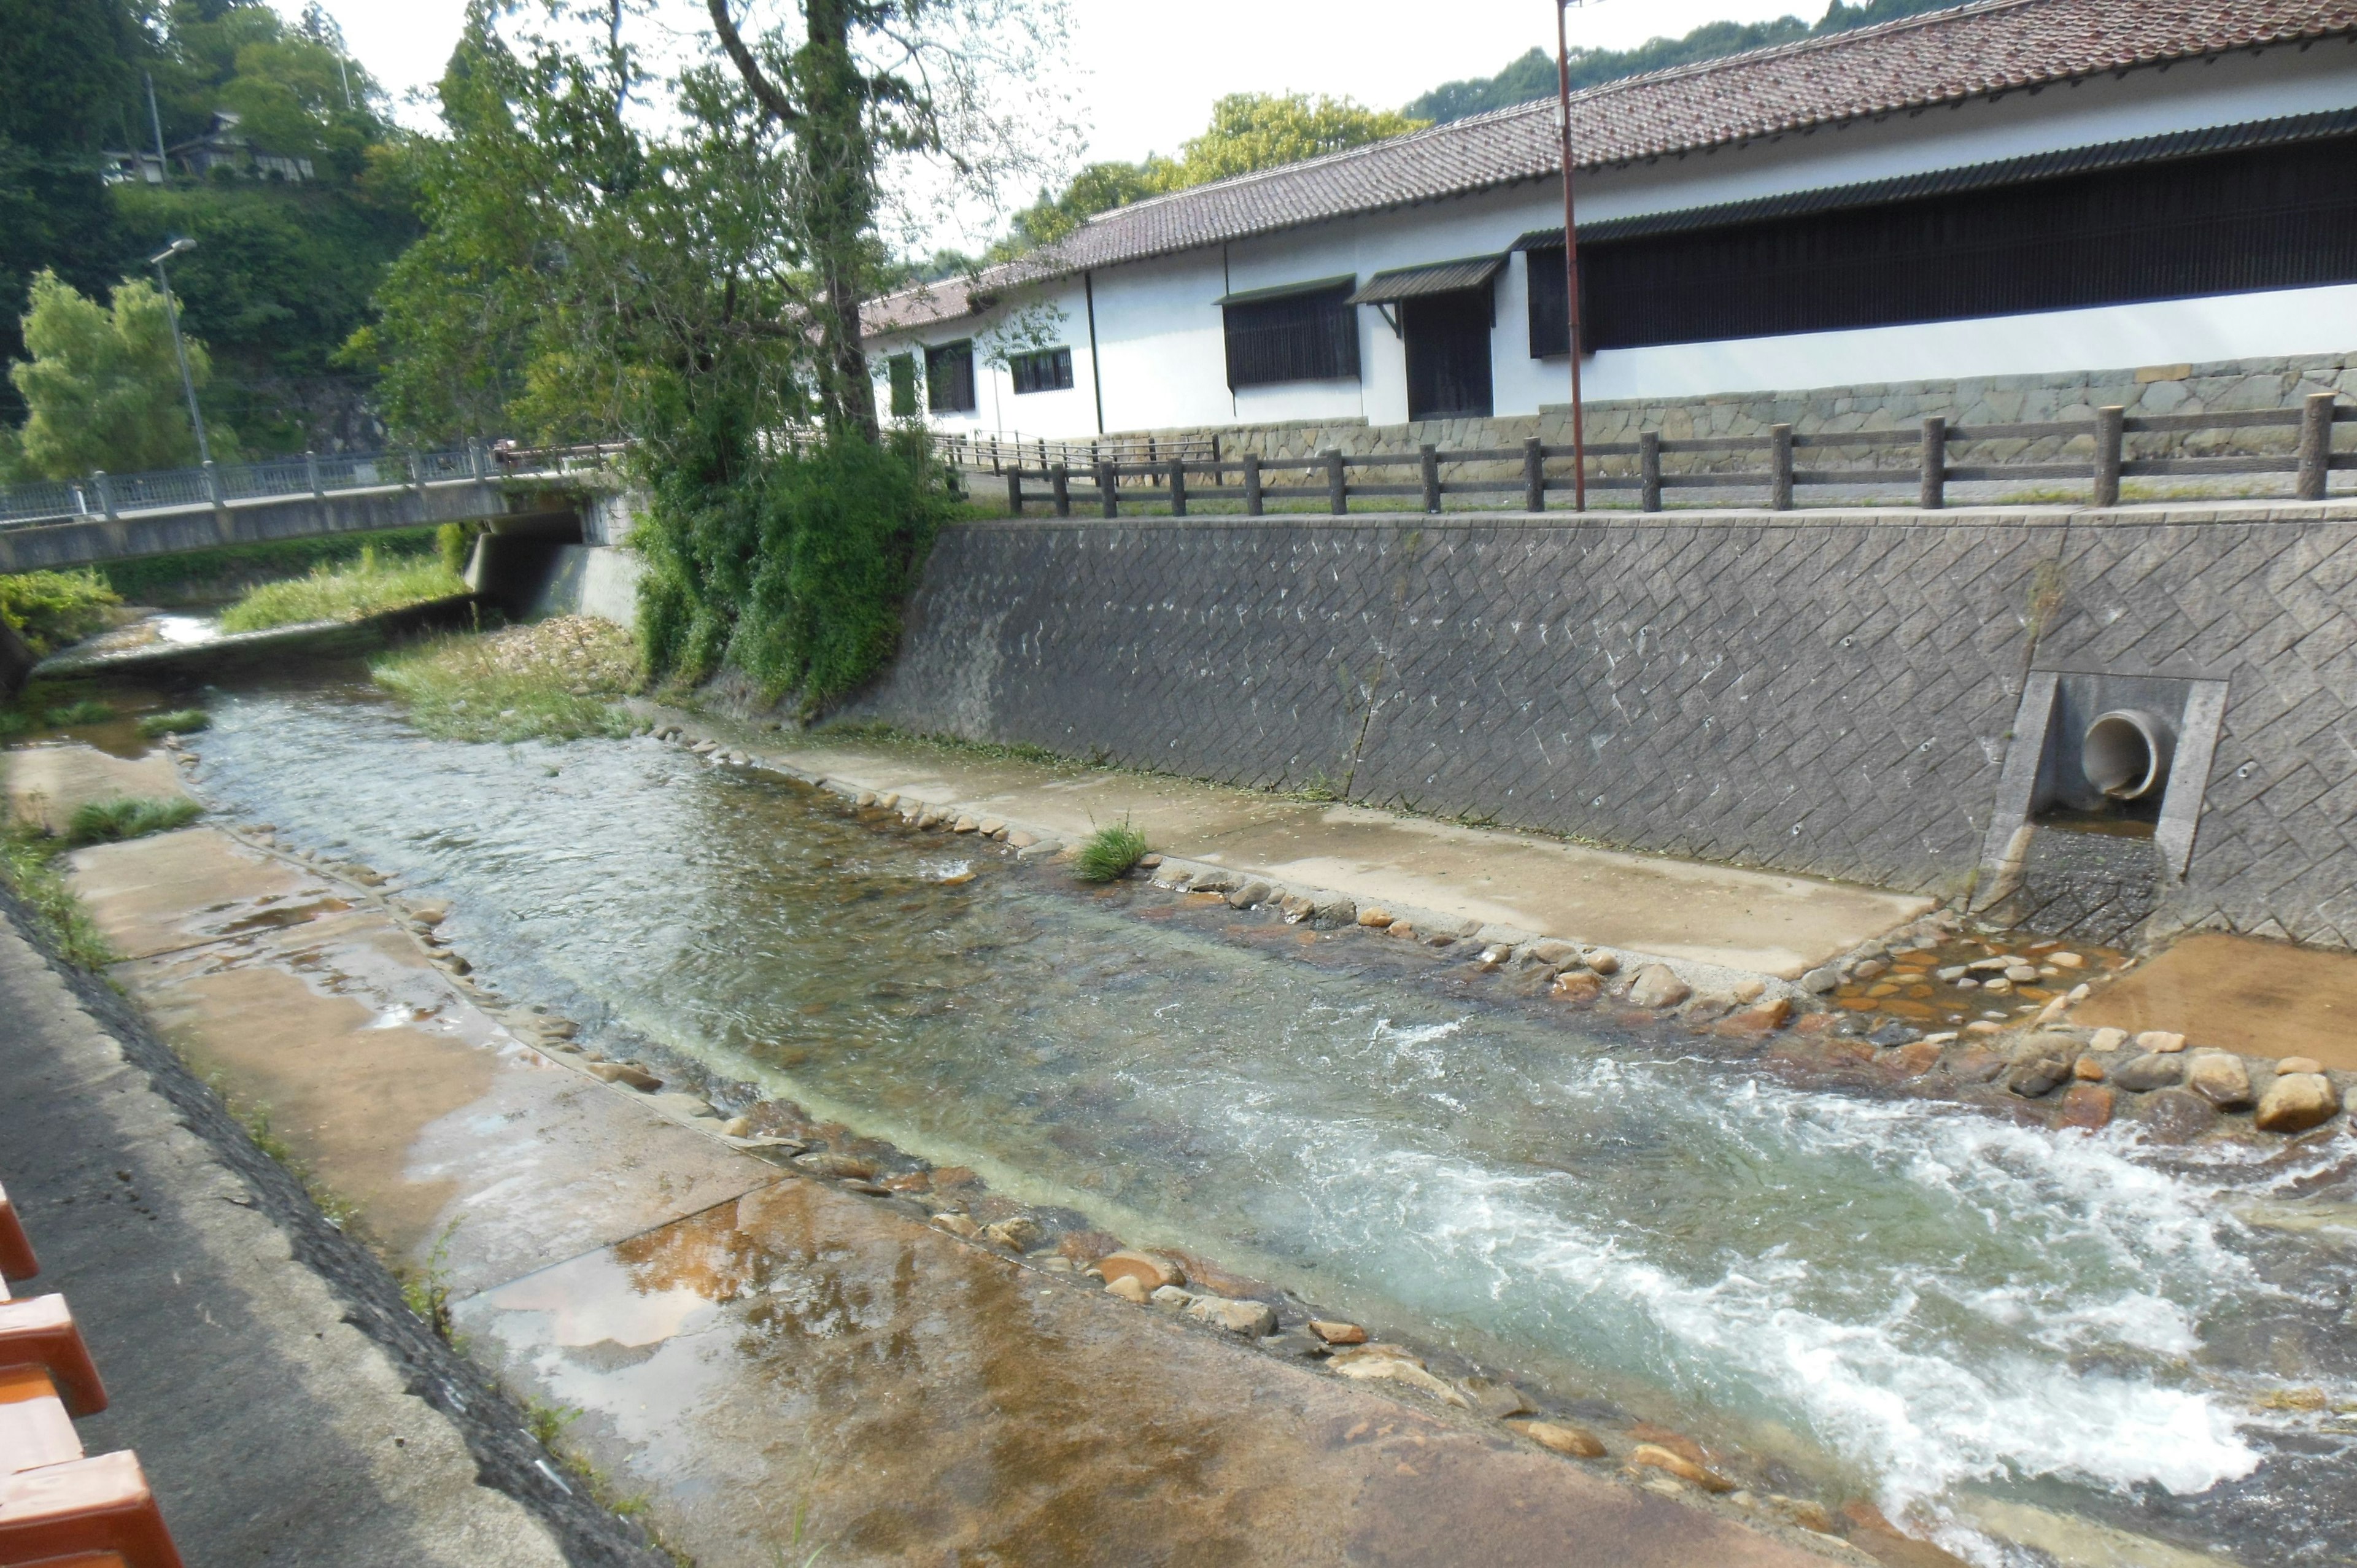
(1823, 693)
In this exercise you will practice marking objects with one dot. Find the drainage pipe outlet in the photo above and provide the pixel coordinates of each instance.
(2127, 754)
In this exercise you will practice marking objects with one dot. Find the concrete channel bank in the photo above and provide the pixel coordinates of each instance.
(772, 1360)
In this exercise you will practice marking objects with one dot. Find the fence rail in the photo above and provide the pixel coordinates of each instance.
(1931, 452)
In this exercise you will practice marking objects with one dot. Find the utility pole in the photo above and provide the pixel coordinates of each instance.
(1571, 255)
(179, 349)
(162, 170)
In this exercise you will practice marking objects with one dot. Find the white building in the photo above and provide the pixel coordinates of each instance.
(2009, 187)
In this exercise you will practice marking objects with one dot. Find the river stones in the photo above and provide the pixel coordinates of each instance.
(1548, 949)
(2087, 1107)
(1129, 1287)
(1576, 1442)
(1762, 1018)
(1251, 1319)
(1249, 894)
(1821, 981)
(2038, 1077)
(835, 1166)
(2298, 1064)
(624, 1073)
(1337, 1333)
(2295, 1103)
(1495, 1398)
(1577, 985)
(2108, 1039)
(1652, 1455)
(2160, 1042)
(2173, 1115)
(2154, 1069)
(1389, 1363)
(2220, 1078)
(1019, 1234)
(1658, 985)
(1150, 1269)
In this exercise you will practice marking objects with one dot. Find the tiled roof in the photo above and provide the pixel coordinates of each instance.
(1943, 56)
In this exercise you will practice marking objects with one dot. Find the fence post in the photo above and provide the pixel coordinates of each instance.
(1934, 493)
(1779, 467)
(1648, 469)
(1428, 466)
(475, 461)
(2315, 446)
(1015, 491)
(105, 495)
(212, 485)
(1060, 481)
(1252, 484)
(311, 473)
(1338, 493)
(1152, 459)
(1178, 487)
(2109, 425)
(1533, 476)
(1109, 487)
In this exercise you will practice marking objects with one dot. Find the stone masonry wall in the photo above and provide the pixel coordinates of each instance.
(2074, 397)
(1826, 693)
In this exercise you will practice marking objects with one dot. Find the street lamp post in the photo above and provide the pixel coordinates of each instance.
(179, 349)
(1570, 255)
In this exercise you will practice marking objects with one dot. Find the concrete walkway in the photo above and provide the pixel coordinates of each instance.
(272, 1428)
(1647, 905)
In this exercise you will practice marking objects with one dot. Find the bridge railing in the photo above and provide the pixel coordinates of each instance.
(313, 474)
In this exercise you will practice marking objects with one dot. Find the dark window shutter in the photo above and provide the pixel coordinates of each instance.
(948, 378)
(903, 368)
(1309, 336)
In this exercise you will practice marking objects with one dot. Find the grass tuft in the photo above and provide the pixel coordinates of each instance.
(1109, 854)
(82, 712)
(111, 822)
(28, 866)
(555, 680)
(365, 587)
(183, 721)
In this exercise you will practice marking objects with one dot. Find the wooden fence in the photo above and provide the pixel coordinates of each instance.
(1535, 471)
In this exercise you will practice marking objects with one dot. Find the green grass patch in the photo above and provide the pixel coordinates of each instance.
(85, 712)
(50, 609)
(1109, 854)
(28, 866)
(126, 817)
(221, 574)
(366, 587)
(556, 679)
(181, 720)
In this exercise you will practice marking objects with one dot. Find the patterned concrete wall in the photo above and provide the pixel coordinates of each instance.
(1820, 693)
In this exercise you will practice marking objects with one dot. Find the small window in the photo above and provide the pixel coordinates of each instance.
(903, 368)
(1050, 369)
(948, 378)
(1307, 337)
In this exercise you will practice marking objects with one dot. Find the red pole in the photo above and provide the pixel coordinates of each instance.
(1570, 257)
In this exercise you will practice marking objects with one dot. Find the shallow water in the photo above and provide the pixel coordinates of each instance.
(1915, 1302)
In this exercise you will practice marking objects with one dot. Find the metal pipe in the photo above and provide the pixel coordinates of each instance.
(179, 350)
(1570, 256)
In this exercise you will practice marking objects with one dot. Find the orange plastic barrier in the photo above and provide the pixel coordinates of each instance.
(40, 1334)
(35, 1429)
(86, 1507)
(17, 1260)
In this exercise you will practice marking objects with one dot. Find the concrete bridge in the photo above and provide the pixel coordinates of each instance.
(537, 504)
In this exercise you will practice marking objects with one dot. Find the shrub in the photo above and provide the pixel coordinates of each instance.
(554, 680)
(111, 822)
(1109, 854)
(50, 609)
(28, 866)
(186, 721)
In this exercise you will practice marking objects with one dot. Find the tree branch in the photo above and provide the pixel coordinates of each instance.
(765, 92)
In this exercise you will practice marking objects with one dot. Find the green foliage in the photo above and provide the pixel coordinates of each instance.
(1109, 854)
(1533, 77)
(180, 721)
(367, 587)
(28, 866)
(209, 576)
(103, 385)
(85, 712)
(50, 609)
(455, 544)
(126, 817)
(794, 574)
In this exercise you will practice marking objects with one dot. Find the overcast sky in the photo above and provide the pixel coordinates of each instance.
(1146, 74)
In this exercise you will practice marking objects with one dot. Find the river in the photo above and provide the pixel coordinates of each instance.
(1891, 1297)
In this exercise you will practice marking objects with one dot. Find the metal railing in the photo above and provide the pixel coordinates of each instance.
(2096, 454)
(103, 495)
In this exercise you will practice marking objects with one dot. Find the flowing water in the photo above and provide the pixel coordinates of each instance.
(1915, 1302)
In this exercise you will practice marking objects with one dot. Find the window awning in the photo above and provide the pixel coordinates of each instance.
(1288, 290)
(1436, 277)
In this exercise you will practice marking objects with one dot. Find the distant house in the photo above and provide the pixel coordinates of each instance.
(223, 145)
(2007, 189)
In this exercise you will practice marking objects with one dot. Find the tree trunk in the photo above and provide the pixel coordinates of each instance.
(841, 211)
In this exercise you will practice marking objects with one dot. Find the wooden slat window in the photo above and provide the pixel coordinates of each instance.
(1048, 370)
(1307, 337)
(948, 378)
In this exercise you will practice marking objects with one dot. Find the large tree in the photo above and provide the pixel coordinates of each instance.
(103, 385)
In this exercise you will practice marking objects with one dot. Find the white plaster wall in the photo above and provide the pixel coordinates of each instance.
(1163, 353)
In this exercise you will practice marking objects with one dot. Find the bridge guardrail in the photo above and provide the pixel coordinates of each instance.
(315, 474)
